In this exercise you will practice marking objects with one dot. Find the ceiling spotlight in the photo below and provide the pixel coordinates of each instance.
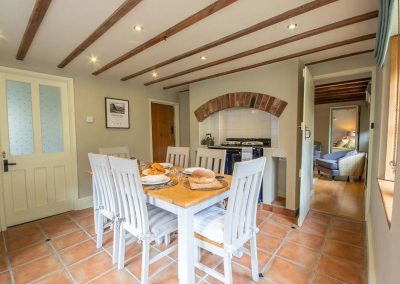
(138, 28)
(154, 74)
(292, 26)
(203, 58)
(93, 59)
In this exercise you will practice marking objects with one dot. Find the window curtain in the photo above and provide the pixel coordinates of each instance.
(386, 10)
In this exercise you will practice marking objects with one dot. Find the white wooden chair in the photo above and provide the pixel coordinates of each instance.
(213, 159)
(106, 205)
(122, 152)
(178, 156)
(144, 221)
(224, 232)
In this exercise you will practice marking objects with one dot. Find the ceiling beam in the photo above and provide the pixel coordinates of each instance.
(37, 15)
(279, 59)
(352, 93)
(200, 15)
(118, 14)
(339, 57)
(340, 91)
(314, 32)
(261, 25)
(342, 87)
(367, 79)
(337, 100)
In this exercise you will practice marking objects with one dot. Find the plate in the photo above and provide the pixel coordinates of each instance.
(154, 179)
(189, 171)
(146, 173)
(166, 165)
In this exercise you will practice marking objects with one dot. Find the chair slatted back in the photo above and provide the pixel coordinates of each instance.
(130, 194)
(178, 156)
(212, 159)
(122, 152)
(240, 219)
(102, 177)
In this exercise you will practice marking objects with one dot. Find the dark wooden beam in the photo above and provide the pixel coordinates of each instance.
(314, 32)
(339, 57)
(279, 59)
(337, 100)
(38, 13)
(118, 14)
(341, 91)
(344, 82)
(261, 25)
(340, 95)
(342, 87)
(202, 14)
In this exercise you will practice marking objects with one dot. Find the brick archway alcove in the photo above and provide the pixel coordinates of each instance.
(259, 101)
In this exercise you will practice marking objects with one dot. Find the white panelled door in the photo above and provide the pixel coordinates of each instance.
(307, 127)
(38, 154)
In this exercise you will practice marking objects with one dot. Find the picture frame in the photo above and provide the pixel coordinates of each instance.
(117, 113)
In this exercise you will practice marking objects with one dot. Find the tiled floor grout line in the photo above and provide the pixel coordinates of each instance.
(57, 256)
(9, 267)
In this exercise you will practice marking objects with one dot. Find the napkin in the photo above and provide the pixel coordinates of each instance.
(213, 185)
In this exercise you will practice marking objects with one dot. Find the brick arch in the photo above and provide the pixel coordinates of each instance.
(259, 101)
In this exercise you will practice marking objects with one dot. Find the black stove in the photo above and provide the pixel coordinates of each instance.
(234, 148)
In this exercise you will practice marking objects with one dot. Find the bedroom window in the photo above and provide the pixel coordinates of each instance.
(393, 114)
(386, 185)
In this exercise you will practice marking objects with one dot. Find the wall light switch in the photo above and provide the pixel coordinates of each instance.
(89, 119)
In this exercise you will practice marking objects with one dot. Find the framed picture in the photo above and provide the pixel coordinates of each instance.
(117, 113)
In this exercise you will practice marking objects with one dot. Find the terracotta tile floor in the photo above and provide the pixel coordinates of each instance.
(339, 197)
(61, 249)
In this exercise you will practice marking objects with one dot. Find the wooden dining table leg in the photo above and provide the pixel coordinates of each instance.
(186, 272)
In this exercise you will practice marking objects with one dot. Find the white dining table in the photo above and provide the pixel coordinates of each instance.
(185, 203)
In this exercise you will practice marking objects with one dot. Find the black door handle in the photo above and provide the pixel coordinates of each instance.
(6, 164)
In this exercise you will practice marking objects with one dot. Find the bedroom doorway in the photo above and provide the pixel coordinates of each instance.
(344, 103)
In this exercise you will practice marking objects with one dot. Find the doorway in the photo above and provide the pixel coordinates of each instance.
(38, 151)
(344, 105)
(163, 128)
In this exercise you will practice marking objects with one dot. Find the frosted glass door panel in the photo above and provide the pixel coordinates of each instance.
(51, 119)
(19, 110)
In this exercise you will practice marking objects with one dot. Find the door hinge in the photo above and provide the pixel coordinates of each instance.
(300, 173)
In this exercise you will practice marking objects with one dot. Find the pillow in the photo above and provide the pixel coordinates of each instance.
(351, 153)
(351, 144)
(342, 142)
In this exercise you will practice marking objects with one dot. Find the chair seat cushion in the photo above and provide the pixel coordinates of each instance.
(210, 223)
(329, 164)
(161, 221)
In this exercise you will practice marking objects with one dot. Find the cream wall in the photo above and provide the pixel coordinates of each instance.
(184, 118)
(89, 93)
(321, 125)
(279, 80)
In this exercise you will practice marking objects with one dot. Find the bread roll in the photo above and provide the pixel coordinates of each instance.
(203, 176)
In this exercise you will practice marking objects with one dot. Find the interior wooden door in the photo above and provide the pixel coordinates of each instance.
(163, 132)
(35, 147)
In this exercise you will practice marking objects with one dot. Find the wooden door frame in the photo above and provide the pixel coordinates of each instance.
(72, 135)
(176, 122)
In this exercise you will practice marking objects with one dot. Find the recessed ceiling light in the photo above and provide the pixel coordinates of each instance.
(138, 28)
(203, 58)
(292, 26)
(154, 74)
(93, 59)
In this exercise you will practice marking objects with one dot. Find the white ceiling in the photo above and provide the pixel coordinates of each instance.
(68, 23)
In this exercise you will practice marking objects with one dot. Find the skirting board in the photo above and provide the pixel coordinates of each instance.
(84, 202)
(371, 253)
(280, 210)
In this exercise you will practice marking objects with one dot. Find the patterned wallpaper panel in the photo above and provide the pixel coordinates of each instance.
(19, 109)
(51, 119)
